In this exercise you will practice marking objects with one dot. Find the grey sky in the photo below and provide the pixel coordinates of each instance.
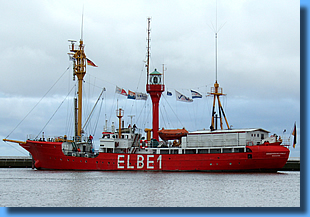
(258, 60)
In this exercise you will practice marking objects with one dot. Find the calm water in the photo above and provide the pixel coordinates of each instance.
(27, 187)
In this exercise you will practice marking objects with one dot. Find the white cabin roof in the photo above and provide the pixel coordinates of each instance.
(229, 131)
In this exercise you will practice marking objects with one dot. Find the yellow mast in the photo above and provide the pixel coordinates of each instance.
(79, 70)
(217, 91)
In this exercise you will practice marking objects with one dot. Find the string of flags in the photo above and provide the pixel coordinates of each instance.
(143, 96)
(181, 97)
(131, 94)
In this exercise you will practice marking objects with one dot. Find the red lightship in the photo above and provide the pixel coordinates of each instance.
(125, 149)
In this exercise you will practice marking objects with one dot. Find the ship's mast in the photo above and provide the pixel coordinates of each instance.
(217, 91)
(154, 87)
(148, 49)
(79, 71)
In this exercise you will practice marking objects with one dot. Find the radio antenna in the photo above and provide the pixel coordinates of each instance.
(82, 26)
(216, 30)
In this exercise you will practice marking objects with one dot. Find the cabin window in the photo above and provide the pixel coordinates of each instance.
(249, 156)
(248, 150)
(227, 150)
(239, 150)
(213, 151)
(164, 151)
(174, 151)
(190, 151)
(262, 136)
(203, 151)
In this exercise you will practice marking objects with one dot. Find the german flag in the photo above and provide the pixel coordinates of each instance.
(295, 135)
(91, 63)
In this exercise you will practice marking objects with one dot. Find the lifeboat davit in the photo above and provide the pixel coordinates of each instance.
(171, 134)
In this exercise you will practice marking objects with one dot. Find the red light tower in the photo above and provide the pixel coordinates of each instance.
(154, 85)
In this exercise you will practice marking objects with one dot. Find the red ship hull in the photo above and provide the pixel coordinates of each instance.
(49, 155)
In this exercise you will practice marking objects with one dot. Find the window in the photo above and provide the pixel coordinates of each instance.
(164, 151)
(202, 151)
(174, 151)
(190, 151)
(239, 150)
(212, 151)
(227, 150)
(262, 136)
